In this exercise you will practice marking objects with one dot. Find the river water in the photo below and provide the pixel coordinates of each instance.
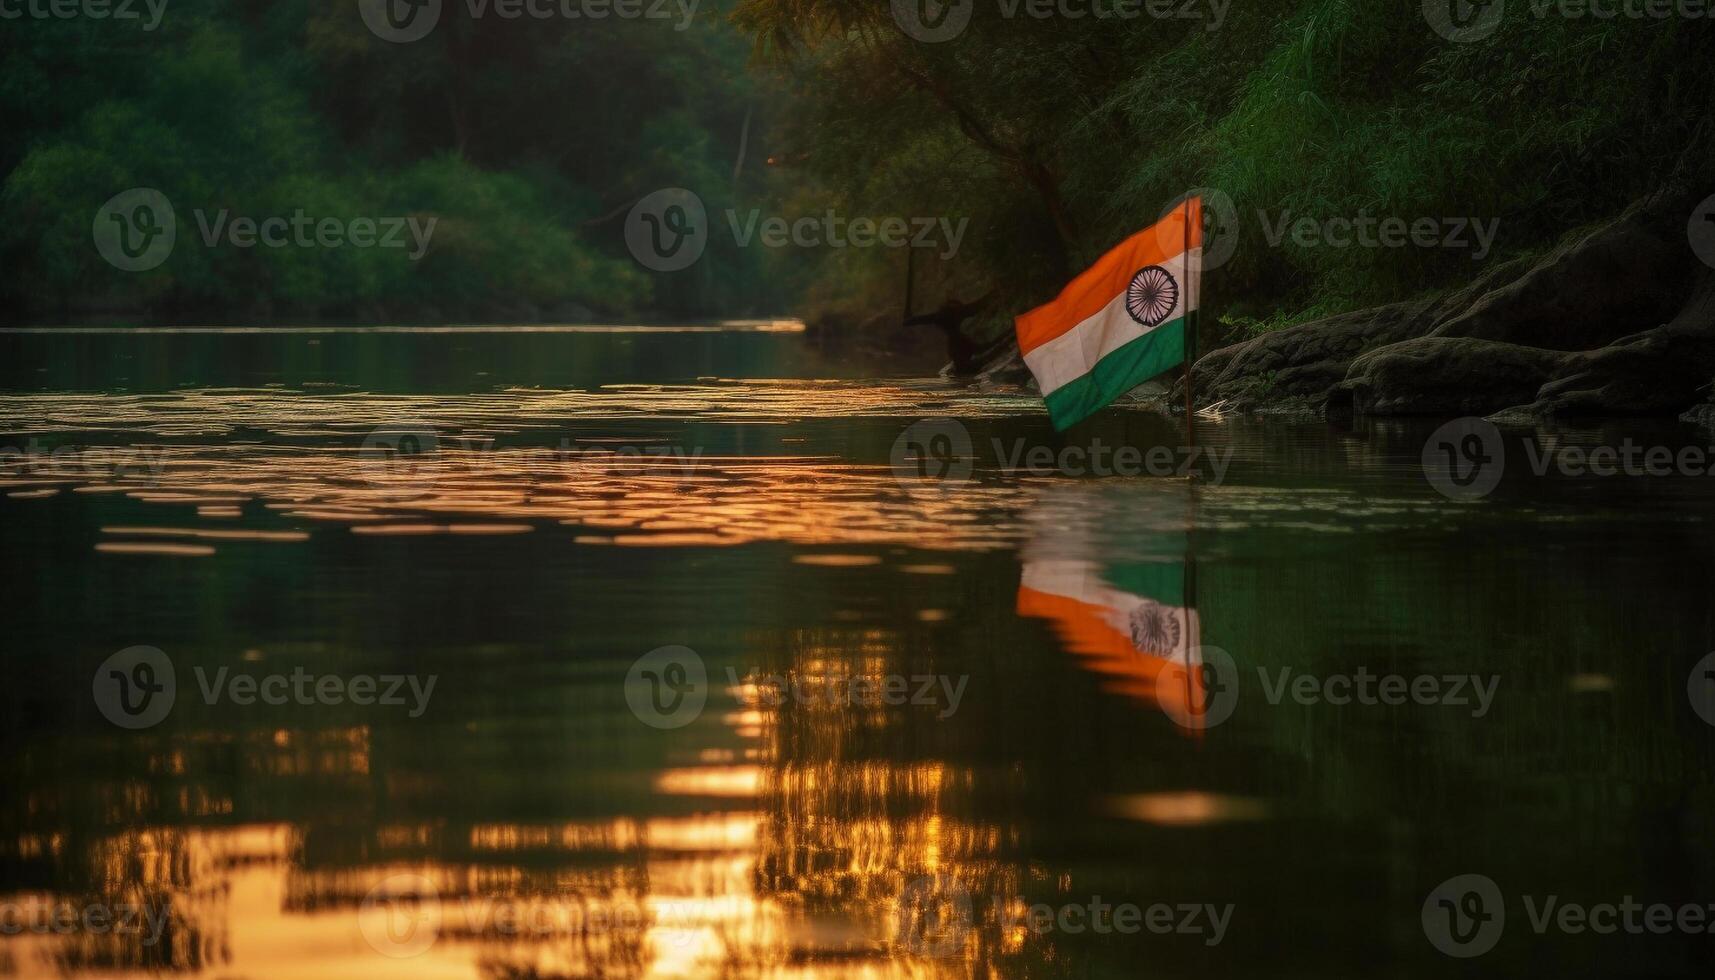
(569, 652)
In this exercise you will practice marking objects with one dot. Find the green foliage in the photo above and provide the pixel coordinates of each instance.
(524, 141)
(1071, 133)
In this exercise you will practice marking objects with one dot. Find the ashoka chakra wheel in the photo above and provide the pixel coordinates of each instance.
(1152, 295)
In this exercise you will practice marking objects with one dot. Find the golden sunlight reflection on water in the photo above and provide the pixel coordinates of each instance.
(778, 838)
(713, 500)
(794, 863)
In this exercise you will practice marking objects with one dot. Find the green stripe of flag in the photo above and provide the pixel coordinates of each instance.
(1154, 353)
(1163, 581)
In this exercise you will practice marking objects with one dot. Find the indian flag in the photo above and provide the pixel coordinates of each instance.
(1120, 323)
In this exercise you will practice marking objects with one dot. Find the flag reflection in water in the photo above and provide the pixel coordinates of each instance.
(1124, 606)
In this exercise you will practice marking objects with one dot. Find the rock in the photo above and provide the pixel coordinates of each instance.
(1518, 416)
(1444, 376)
(1628, 275)
(1555, 335)
(1703, 414)
(1305, 362)
(1302, 360)
(1663, 371)
(1700, 416)
(1005, 366)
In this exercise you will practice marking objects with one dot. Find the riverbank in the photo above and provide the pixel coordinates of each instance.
(1617, 320)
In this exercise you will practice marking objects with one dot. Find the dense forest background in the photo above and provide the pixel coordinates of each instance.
(1055, 136)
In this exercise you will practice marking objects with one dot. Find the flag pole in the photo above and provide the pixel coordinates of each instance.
(1188, 581)
(1189, 339)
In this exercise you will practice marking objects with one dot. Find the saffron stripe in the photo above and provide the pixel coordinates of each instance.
(1086, 295)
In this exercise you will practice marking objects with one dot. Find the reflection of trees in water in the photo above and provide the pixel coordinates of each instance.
(303, 808)
(571, 914)
(161, 902)
(870, 811)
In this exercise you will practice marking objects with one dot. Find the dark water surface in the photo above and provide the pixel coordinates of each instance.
(518, 517)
